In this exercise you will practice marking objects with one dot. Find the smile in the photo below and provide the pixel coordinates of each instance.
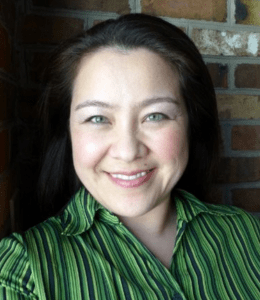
(124, 177)
(131, 181)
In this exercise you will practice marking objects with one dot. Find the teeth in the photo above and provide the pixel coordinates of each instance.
(124, 177)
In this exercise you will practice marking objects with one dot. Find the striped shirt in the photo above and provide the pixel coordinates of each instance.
(87, 253)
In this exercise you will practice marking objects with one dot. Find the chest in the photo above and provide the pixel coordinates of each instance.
(106, 264)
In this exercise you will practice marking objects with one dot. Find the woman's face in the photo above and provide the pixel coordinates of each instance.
(127, 115)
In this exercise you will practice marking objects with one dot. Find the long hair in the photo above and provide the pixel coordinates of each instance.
(58, 180)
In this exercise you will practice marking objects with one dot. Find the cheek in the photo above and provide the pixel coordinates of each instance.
(171, 144)
(87, 150)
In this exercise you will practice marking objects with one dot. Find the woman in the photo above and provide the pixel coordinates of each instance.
(132, 129)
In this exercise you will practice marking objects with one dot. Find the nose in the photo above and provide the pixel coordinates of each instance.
(127, 145)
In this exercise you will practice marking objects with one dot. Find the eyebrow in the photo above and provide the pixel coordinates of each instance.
(147, 102)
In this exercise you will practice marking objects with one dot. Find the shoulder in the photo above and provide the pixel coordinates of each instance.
(20, 254)
(239, 215)
(236, 223)
(15, 272)
(226, 221)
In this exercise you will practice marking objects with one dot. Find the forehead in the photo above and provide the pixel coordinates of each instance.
(112, 73)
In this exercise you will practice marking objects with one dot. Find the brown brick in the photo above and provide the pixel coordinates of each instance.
(218, 74)
(214, 10)
(238, 106)
(247, 76)
(7, 94)
(118, 6)
(239, 169)
(248, 199)
(228, 43)
(5, 195)
(246, 137)
(5, 50)
(39, 29)
(247, 12)
(4, 150)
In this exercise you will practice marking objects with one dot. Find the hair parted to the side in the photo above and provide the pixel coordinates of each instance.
(58, 180)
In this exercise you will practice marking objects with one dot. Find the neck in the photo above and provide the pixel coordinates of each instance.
(155, 223)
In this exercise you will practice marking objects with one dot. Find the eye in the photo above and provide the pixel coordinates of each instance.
(98, 120)
(155, 117)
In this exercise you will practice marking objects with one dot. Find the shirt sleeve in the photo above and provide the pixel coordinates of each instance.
(16, 281)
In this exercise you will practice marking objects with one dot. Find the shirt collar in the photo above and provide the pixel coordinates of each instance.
(83, 209)
(188, 207)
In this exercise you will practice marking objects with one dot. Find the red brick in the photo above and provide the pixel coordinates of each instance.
(4, 150)
(214, 10)
(247, 76)
(52, 30)
(5, 50)
(218, 73)
(239, 169)
(246, 137)
(248, 199)
(118, 6)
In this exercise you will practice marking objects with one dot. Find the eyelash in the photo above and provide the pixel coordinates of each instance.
(89, 119)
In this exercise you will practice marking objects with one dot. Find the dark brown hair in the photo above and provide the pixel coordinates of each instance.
(58, 180)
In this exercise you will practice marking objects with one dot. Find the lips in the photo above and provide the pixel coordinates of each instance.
(134, 183)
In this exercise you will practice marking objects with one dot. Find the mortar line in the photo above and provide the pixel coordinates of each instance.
(132, 6)
(232, 12)
(234, 59)
(226, 129)
(229, 13)
(226, 195)
(220, 26)
(189, 30)
(238, 91)
(242, 185)
(231, 75)
(241, 122)
(138, 6)
(245, 153)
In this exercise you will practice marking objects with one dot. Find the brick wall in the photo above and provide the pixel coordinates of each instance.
(227, 33)
(7, 99)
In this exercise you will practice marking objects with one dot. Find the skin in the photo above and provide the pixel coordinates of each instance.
(128, 138)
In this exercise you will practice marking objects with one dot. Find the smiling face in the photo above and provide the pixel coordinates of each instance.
(141, 124)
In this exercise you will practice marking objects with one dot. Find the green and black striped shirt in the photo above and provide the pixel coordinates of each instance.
(87, 253)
